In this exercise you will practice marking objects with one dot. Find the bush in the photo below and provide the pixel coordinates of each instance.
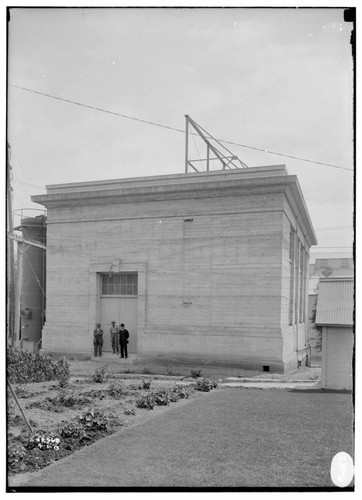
(16, 453)
(68, 398)
(146, 384)
(73, 430)
(146, 401)
(196, 373)
(161, 397)
(117, 389)
(182, 391)
(205, 385)
(94, 420)
(24, 366)
(64, 372)
(101, 374)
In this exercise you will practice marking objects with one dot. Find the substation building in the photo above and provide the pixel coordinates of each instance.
(203, 267)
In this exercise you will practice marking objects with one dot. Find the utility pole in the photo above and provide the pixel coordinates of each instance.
(10, 257)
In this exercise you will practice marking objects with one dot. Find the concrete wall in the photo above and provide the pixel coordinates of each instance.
(337, 352)
(226, 262)
(295, 333)
(211, 257)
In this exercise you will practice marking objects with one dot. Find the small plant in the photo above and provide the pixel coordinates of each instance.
(161, 397)
(73, 430)
(117, 390)
(182, 391)
(16, 454)
(94, 419)
(174, 396)
(146, 371)
(196, 373)
(146, 401)
(44, 441)
(101, 374)
(146, 384)
(63, 372)
(129, 411)
(205, 385)
(68, 397)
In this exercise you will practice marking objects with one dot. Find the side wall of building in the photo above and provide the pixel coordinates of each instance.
(210, 270)
(294, 295)
(337, 352)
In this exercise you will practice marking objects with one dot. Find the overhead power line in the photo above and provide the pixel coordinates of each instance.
(173, 128)
(332, 228)
(317, 248)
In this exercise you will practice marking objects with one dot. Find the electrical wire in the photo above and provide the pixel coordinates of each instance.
(332, 228)
(148, 122)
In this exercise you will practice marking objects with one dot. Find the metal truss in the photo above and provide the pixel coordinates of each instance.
(225, 161)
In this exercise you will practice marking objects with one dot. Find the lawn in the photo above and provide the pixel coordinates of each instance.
(239, 438)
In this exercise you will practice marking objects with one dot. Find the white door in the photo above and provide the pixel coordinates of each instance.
(120, 310)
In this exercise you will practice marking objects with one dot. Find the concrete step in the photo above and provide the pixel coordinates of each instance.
(109, 356)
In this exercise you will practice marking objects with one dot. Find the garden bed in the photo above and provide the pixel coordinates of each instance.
(68, 416)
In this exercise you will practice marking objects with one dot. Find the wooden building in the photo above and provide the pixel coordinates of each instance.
(204, 267)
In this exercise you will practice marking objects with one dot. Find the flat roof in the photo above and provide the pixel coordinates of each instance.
(164, 180)
(266, 179)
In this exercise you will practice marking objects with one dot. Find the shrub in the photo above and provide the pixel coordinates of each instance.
(101, 374)
(196, 373)
(182, 391)
(24, 366)
(73, 430)
(146, 401)
(146, 371)
(68, 397)
(205, 385)
(94, 420)
(64, 372)
(146, 384)
(16, 453)
(174, 396)
(161, 397)
(117, 389)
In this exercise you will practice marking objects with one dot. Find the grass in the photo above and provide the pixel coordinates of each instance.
(228, 438)
(213, 372)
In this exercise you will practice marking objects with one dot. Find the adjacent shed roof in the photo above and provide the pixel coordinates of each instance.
(335, 302)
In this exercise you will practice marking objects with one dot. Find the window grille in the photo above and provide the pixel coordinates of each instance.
(120, 284)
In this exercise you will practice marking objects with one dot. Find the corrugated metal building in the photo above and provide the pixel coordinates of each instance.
(335, 314)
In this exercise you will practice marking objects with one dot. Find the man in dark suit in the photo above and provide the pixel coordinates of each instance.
(123, 340)
(98, 340)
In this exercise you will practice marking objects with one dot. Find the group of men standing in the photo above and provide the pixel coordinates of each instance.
(119, 339)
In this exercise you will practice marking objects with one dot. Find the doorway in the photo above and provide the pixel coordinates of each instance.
(119, 303)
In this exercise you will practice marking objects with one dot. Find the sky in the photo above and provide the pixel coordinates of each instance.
(274, 79)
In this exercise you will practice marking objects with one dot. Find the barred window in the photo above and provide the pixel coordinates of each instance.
(119, 284)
